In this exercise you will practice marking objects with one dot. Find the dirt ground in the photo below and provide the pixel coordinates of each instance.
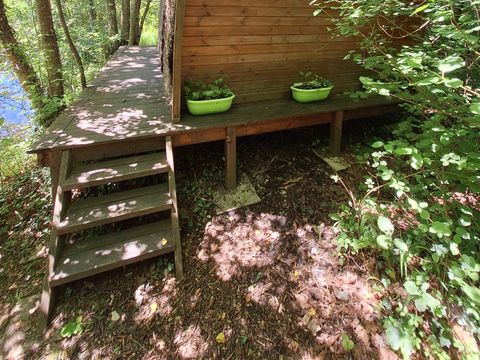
(263, 282)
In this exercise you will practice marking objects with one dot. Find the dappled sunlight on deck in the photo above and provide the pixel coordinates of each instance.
(125, 101)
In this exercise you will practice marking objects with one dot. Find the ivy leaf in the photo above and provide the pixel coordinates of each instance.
(417, 161)
(377, 144)
(428, 81)
(347, 343)
(453, 83)
(441, 229)
(450, 64)
(406, 150)
(385, 225)
(420, 304)
(472, 292)
(475, 108)
(411, 288)
(384, 241)
(72, 328)
(398, 339)
(454, 249)
(400, 244)
(420, 9)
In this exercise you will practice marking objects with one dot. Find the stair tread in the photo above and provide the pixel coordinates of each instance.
(116, 170)
(103, 253)
(122, 205)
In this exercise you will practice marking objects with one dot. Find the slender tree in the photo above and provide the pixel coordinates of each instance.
(112, 18)
(125, 21)
(91, 10)
(20, 65)
(134, 22)
(70, 43)
(112, 23)
(50, 48)
(142, 21)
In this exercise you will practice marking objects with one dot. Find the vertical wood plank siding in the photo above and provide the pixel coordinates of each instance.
(259, 47)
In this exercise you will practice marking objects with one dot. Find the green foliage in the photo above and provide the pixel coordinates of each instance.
(72, 328)
(13, 146)
(199, 90)
(347, 343)
(149, 36)
(312, 81)
(90, 37)
(419, 213)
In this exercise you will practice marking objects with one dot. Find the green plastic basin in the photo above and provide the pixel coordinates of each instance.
(205, 107)
(310, 95)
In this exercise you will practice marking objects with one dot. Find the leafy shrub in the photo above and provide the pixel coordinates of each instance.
(199, 90)
(13, 146)
(312, 81)
(420, 210)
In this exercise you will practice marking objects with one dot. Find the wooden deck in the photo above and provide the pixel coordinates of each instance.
(126, 102)
(121, 128)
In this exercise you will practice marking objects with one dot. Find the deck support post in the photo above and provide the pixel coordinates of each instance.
(231, 158)
(336, 133)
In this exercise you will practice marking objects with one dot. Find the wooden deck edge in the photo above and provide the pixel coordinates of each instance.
(190, 135)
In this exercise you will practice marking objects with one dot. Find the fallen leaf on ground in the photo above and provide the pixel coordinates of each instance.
(220, 338)
(115, 316)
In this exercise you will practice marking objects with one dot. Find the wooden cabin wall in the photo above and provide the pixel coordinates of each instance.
(260, 46)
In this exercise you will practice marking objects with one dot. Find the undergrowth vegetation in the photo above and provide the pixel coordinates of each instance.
(14, 142)
(418, 212)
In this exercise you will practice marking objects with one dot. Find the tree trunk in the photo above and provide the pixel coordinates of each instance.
(142, 22)
(71, 45)
(50, 48)
(113, 23)
(91, 10)
(125, 21)
(112, 18)
(134, 22)
(20, 65)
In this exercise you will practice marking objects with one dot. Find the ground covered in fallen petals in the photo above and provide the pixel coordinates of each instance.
(263, 282)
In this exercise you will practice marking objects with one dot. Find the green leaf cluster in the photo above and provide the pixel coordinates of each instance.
(419, 213)
(200, 90)
(310, 80)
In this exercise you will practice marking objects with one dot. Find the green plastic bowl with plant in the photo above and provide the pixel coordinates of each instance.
(311, 88)
(208, 98)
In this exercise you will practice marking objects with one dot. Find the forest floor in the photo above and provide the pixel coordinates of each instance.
(262, 282)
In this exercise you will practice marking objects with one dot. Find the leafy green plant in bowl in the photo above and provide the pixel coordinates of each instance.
(312, 87)
(208, 98)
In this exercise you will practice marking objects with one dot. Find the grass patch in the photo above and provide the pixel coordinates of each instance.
(149, 36)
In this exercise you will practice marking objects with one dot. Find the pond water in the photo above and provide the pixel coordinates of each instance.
(14, 104)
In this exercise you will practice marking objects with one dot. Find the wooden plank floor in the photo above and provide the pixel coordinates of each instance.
(127, 102)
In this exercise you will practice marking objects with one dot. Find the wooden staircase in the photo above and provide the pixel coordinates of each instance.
(67, 261)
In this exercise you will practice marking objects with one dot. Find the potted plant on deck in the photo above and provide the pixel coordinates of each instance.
(208, 98)
(311, 88)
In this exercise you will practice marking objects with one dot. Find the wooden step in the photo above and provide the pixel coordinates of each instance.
(107, 252)
(104, 172)
(123, 205)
